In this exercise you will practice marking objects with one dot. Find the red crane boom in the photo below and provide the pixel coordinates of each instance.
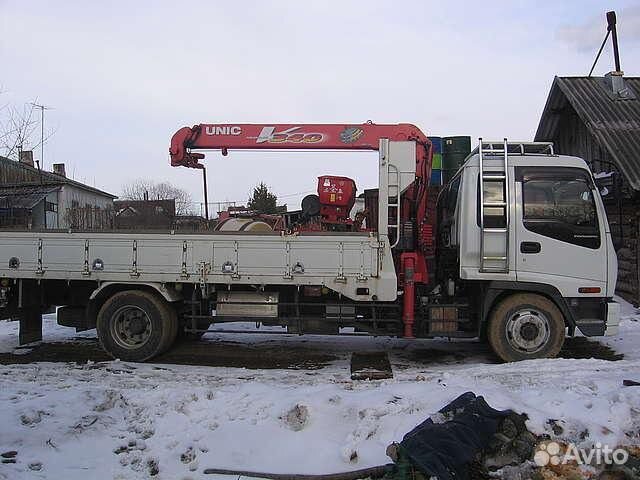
(288, 136)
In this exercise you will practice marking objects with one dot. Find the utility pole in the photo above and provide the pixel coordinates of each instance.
(42, 109)
(206, 196)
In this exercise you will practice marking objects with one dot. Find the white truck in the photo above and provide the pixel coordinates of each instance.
(517, 252)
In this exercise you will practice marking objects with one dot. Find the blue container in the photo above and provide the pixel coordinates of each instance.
(436, 177)
(436, 143)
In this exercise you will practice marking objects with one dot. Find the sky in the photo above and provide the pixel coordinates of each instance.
(122, 77)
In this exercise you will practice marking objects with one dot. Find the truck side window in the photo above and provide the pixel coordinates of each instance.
(447, 202)
(452, 196)
(493, 192)
(561, 206)
(495, 216)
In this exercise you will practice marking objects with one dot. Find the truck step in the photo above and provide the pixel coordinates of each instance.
(494, 177)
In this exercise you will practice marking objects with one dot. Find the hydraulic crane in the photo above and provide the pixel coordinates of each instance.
(365, 136)
(411, 265)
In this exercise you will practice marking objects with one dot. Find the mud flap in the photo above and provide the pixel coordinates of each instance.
(30, 312)
(30, 325)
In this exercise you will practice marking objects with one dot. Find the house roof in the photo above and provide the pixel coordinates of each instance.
(24, 196)
(613, 122)
(14, 173)
(166, 207)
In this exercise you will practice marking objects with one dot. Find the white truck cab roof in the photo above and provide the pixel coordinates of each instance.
(517, 160)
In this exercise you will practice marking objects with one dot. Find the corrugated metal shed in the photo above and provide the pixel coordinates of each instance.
(613, 122)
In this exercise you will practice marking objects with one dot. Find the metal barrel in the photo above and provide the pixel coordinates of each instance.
(454, 152)
(436, 164)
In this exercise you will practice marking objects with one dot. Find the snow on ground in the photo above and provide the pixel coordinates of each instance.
(52, 332)
(68, 420)
(628, 341)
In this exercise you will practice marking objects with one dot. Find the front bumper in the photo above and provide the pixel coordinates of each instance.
(613, 318)
(595, 317)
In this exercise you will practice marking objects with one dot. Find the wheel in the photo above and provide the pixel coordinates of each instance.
(525, 326)
(135, 326)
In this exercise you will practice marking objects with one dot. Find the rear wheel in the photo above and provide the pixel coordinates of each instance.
(526, 326)
(135, 326)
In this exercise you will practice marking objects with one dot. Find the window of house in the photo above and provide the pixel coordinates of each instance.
(50, 206)
(558, 203)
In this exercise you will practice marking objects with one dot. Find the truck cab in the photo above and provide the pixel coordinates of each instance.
(526, 229)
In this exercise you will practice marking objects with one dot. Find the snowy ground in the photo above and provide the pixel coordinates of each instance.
(115, 420)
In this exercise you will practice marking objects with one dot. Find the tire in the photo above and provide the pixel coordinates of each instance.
(135, 326)
(526, 326)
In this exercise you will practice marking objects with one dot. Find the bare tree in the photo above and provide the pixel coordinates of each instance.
(18, 130)
(150, 190)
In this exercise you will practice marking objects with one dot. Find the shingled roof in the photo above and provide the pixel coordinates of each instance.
(14, 174)
(613, 121)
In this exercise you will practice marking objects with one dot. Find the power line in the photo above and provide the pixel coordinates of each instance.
(599, 52)
(279, 196)
(294, 194)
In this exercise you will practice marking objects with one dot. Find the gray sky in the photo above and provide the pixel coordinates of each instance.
(122, 77)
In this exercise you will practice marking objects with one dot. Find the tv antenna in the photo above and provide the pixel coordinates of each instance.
(42, 109)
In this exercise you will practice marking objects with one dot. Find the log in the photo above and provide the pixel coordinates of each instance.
(627, 265)
(629, 297)
(627, 274)
(627, 287)
(626, 253)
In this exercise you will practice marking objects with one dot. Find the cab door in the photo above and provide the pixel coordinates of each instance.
(559, 232)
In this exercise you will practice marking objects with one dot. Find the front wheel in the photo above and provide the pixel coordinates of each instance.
(135, 326)
(526, 326)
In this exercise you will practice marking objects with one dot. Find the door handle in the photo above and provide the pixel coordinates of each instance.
(530, 247)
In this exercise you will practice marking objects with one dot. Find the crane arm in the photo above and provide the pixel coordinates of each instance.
(285, 136)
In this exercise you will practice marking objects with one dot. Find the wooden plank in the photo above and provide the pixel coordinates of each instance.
(370, 366)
